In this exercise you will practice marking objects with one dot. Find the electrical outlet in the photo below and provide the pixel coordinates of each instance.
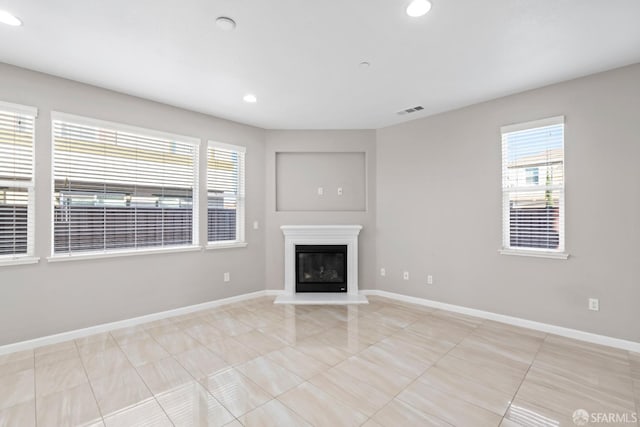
(405, 275)
(320, 191)
(227, 277)
(594, 304)
(255, 225)
(429, 280)
(383, 272)
(339, 191)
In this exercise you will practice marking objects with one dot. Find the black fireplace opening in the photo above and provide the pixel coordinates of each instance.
(321, 268)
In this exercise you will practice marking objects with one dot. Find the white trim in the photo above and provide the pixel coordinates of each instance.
(320, 235)
(533, 188)
(16, 184)
(19, 109)
(29, 257)
(321, 298)
(18, 260)
(312, 230)
(106, 327)
(89, 121)
(125, 252)
(516, 321)
(508, 191)
(240, 196)
(144, 132)
(534, 253)
(225, 245)
(550, 121)
(52, 188)
(225, 146)
(195, 198)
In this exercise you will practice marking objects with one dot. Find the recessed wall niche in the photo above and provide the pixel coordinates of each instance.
(327, 181)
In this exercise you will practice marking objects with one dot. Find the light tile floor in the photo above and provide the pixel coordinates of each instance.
(258, 364)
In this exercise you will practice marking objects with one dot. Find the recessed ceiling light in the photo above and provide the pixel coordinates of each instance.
(418, 8)
(225, 24)
(9, 19)
(250, 98)
(365, 64)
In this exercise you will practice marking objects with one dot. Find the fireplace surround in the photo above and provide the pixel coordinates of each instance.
(324, 238)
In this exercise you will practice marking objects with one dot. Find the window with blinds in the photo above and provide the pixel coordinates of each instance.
(225, 193)
(118, 188)
(16, 180)
(533, 185)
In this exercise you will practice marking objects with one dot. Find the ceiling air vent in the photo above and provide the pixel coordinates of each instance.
(411, 110)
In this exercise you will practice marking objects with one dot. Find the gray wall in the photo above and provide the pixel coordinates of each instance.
(433, 206)
(439, 208)
(47, 298)
(349, 141)
(299, 176)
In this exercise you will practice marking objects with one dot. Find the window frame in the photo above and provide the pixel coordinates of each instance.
(121, 127)
(507, 249)
(240, 241)
(28, 257)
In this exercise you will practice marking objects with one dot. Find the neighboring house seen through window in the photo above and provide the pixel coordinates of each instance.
(533, 186)
(118, 188)
(533, 176)
(16, 181)
(225, 193)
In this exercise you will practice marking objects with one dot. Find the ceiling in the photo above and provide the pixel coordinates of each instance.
(301, 58)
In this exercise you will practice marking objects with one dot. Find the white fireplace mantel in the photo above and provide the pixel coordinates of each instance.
(320, 235)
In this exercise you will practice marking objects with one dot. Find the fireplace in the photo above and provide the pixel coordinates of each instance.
(321, 268)
(321, 265)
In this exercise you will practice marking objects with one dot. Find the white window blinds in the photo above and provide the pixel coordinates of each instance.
(121, 188)
(225, 193)
(16, 180)
(533, 185)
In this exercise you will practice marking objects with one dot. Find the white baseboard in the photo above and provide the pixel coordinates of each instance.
(516, 321)
(321, 298)
(274, 292)
(105, 327)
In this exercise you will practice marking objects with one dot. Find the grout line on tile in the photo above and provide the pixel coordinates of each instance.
(525, 375)
(311, 385)
(144, 382)
(635, 389)
(418, 377)
(293, 409)
(35, 390)
(202, 385)
(86, 374)
(206, 389)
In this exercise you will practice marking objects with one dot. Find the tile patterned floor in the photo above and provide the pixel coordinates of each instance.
(257, 364)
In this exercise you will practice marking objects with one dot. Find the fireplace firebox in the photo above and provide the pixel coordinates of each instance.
(321, 268)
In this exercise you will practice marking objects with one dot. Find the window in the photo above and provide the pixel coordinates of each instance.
(533, 186)
(16, 182)
(118, 188)
(533, 175)
(225, 193)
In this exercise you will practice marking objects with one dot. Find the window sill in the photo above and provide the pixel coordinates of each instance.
(122, 253)
(534, 253)
(18, 260)
(226, 245)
